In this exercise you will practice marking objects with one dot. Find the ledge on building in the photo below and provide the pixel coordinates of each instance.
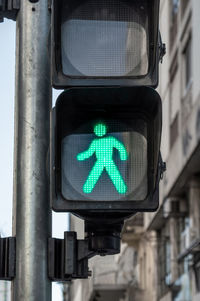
(114, 292)
(133, 228)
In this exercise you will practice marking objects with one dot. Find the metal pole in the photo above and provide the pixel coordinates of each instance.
(32, 214)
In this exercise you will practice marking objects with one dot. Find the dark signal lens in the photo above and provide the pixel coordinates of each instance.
(105, 38)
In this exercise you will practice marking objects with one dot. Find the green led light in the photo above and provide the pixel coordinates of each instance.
(103, 149)
(100, 129)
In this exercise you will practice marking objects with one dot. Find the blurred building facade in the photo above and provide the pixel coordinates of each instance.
(160, 257)
(177, 222)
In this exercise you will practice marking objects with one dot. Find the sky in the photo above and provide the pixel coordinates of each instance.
(7, 79)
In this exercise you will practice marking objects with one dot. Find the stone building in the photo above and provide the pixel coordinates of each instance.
(177, 222)
(160, 257)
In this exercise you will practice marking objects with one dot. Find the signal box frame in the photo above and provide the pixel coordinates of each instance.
(142, 101)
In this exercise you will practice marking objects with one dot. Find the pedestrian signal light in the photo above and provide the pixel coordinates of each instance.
(105, 154)
(102, 147)
(105, 43)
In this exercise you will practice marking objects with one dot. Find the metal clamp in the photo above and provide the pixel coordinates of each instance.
(7, 258)
(68, 257)
(9, 9)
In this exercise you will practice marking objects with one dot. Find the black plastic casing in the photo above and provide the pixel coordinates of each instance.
(143, 102)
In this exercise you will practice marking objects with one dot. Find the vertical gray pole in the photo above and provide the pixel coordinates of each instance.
(32, 214)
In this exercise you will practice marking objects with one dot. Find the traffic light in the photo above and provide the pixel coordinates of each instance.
(105, 43)
(106, 126)
(105, 151)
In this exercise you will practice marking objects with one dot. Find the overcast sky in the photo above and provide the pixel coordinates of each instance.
(7, 77)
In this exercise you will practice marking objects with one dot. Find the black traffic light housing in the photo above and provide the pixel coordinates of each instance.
(77, 108)
(105, 43)
(106, 130)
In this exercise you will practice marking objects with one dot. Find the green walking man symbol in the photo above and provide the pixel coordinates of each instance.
(103, 149)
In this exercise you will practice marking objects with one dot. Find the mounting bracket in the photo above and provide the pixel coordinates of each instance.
(68, 257)
(9, 9)
(7, 258)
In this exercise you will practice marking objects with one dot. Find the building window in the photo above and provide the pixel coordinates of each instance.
(143, 271)
(187, 64)
(184, 4)
(135, 258)
(182, 285)
(167, 262)
(184, 230)
(196, 266)
(174, 130)
(197, 276)
(174, 21)
(186, 74)
(175, 100)
(175, 6)
(161, 265)
(164, 263)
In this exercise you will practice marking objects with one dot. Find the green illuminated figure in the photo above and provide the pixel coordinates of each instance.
(103, 148)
